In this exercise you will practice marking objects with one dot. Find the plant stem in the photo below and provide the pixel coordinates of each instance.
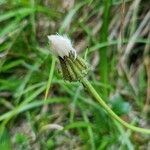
(90, 88)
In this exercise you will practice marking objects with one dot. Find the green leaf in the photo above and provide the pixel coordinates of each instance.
(119, 105)
(5, 143)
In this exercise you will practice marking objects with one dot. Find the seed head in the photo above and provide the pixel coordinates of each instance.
(61, 45)
(73, 67)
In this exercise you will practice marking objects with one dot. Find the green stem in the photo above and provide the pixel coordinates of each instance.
(90, 88)
(50, 77)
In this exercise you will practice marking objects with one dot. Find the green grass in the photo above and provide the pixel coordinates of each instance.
(29, 74)
(103, 52)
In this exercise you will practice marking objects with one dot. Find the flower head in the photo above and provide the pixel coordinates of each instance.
(61, 46)
(73, 67)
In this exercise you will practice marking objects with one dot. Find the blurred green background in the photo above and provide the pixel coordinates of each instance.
(113, 36)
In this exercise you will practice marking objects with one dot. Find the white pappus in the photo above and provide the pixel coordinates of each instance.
(61, 45)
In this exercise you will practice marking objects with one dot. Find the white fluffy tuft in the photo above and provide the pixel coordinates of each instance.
(61, 45)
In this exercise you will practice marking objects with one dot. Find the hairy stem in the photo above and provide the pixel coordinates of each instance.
(90, 88)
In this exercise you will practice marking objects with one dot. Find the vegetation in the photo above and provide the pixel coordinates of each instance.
(39, 110)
